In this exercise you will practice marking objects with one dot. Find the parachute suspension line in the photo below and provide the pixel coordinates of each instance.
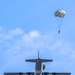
(59, 28)
(59, 23)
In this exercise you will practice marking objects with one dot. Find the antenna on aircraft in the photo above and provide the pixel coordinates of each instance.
(38, 53)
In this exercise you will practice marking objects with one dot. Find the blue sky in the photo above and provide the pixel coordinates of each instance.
(29, 25)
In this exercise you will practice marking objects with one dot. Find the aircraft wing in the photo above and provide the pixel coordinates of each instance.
(31, 60)
(46, 60)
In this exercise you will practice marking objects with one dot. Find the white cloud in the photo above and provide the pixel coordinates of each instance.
(31, 35)
(34, 34)
(17, 31)
(10, 34)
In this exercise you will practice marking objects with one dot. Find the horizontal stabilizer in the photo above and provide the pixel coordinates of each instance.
(41, 60)
(46, 60)
(31, 60)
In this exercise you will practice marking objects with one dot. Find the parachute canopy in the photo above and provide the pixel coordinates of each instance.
(60, 13)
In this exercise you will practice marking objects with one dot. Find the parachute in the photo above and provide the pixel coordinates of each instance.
(60, 15)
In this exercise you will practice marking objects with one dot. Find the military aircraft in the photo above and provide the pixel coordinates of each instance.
(39, 67)
(38, 64)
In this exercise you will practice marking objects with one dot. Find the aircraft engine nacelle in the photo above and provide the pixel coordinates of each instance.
(43, 66)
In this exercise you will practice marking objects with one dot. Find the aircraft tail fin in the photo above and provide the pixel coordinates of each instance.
(38, 53)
